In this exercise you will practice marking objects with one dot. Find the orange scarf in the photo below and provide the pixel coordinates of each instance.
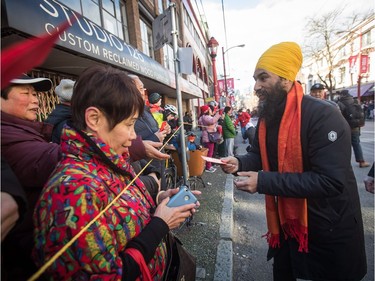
(290, 213)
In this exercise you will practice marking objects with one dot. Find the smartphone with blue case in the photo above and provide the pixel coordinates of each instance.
(182, 197)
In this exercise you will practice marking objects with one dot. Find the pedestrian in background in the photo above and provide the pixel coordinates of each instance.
(146, 126)
(318, 91)
(301, 162)
(148, 129)
(171, 117)
(229, 131)
(188, 121)
(62, 112)
(370, 110)
(192, 145)
(208, 123)
(243, 118)
(346, 103)
(156, 110)
(249, 134)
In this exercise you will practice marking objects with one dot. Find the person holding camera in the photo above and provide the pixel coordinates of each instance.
(95, 183)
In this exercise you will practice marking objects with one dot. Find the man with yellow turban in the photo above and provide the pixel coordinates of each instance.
(300, 160)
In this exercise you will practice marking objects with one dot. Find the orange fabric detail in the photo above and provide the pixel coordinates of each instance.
(290, 213)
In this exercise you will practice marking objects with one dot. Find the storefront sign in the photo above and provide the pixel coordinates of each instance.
(83, 37)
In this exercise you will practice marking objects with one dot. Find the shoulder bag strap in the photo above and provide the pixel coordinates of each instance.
(139, 259)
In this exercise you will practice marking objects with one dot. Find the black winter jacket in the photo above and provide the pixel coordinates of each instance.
(58, 118)
(335, 227)
(146, 126)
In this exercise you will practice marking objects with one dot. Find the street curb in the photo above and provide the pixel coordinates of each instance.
(224, 253)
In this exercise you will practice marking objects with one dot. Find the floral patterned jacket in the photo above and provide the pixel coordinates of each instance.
(89, 177)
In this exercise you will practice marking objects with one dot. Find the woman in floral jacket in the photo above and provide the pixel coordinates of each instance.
(94, 170)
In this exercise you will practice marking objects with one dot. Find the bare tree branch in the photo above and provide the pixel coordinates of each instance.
(321, 31)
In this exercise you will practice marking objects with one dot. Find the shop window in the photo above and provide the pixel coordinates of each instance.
(109, 6)
(194, 66)
(366, 39)
(168, 57)
(199, 69)
(122, 22)
(205, 76)
(109, 14)
(91, 10)
(160, 6)
(342, 72)
(109, 19)
(73, 4)
(146, 35)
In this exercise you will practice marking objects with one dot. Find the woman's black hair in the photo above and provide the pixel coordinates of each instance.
(227, 109)
(108, 89)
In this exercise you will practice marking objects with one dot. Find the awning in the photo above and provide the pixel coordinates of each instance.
(369, 92)
(366, 90)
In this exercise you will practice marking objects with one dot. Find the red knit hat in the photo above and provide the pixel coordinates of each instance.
(204, 108)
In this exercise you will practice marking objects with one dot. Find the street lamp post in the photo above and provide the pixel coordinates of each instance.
(212, 46)
(225, 74)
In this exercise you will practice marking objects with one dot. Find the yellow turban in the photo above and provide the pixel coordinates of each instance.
(283, 59)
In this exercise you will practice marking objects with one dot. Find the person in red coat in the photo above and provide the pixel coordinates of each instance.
(243, 118)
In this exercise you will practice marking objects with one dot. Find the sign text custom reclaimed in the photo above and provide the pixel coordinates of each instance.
(84, 36)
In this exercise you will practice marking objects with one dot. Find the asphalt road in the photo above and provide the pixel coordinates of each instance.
(249, 248)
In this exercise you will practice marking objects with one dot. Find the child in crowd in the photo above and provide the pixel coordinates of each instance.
(154, 100)
(191, 144)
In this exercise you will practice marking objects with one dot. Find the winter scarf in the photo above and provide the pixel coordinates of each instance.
(289, 213)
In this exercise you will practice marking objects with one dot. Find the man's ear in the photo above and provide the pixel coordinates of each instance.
(93, 118)
(286, 84)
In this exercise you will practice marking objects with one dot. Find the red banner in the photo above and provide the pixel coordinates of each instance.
(352, 62)
(364, 64)
(221, 85)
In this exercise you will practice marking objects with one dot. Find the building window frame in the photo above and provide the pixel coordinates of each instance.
(114, 19)
(146, 38)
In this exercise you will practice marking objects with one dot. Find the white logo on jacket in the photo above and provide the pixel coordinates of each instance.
(332, 136)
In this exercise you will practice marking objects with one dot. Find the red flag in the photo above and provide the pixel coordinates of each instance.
(23, 56)
(364, 63)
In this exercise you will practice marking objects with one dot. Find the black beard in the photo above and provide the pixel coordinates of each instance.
(271, 108)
